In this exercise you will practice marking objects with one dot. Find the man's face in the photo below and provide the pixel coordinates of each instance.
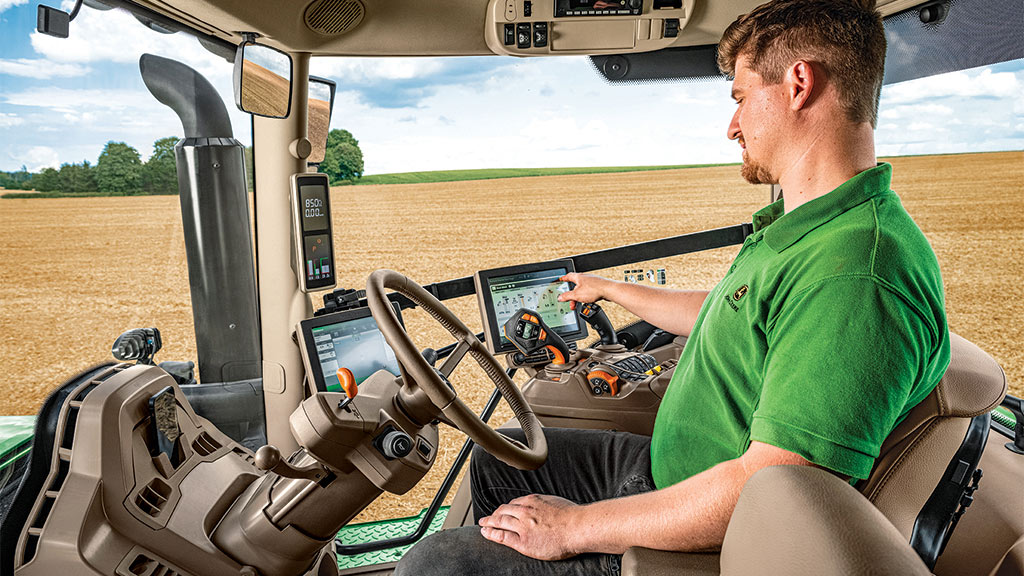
(755, 123)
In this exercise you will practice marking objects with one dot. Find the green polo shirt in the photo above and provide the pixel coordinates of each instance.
(829, 327)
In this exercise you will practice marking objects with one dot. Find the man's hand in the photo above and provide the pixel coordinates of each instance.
(589, 288)
(534, 525)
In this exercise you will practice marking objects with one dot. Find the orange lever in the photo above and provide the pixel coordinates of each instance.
(348, 382)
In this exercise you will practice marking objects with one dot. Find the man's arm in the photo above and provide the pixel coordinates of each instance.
(688, 516)
(672, 310)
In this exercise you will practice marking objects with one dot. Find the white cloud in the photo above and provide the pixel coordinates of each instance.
(35, 158)
(915, 111)
(8, 120)
(116, 36)
(41, 69)
(355, 70)
(70, 101)
(5, 4)
(964, 84)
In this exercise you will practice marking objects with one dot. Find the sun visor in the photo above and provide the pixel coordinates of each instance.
(930, 39)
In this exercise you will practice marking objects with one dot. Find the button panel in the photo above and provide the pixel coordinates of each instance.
(523, 36)
(540, 34)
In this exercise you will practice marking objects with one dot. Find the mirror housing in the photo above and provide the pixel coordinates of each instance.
(321, 105)
(262, 79)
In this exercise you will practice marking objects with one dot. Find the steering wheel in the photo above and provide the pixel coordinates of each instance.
(434, 382)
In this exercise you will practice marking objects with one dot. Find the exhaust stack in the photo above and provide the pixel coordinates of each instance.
(218, 242)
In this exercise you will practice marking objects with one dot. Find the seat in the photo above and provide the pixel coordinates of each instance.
(913, 459)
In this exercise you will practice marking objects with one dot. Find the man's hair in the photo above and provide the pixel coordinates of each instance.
(845, 37)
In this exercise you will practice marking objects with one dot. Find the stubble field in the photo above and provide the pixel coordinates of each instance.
(75, 273)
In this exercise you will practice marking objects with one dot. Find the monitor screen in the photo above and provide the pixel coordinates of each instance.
(532, 286)
(350, 340)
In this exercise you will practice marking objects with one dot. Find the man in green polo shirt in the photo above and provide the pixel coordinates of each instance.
(828, 328)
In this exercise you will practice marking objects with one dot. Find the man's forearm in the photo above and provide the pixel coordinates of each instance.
(688, 516)
(672, 310)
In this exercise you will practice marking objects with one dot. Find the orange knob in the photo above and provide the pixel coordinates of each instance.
(348, 382)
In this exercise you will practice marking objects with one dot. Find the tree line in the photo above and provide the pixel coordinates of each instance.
(120, 171)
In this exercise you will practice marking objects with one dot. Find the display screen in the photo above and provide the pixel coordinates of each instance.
(313, 203)
(318, 257)
(595, 7)
(536, 291)
(356, 344)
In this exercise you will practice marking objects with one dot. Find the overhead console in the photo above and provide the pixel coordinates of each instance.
(545, 27)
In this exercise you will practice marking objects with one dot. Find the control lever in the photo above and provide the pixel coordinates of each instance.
(268, 458)
(593, 314)
(530, 334)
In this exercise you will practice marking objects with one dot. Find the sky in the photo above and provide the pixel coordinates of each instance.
(61, 100)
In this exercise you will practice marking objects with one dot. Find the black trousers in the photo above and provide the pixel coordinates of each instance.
(583, 466)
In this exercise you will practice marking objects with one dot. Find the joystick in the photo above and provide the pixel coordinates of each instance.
(593, 314)
(530, 334)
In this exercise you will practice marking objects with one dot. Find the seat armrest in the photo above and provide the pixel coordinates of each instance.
(799, 520)
(646, 562)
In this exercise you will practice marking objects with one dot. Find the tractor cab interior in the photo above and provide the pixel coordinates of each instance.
(304, 414)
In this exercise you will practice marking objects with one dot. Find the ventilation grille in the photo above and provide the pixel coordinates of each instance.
(143, 565)
(332, 17)
(152, 498)
(204, 444)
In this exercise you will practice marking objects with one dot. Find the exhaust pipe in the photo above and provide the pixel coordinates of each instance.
(218, 245)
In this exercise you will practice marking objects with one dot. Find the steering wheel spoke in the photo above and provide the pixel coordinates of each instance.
(457, 355)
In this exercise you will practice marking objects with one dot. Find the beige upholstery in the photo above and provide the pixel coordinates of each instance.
(1013, 563)
(803, 521)
(914, 457)
(647, 562)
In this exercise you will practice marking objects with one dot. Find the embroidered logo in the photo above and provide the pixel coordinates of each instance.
(739, 293)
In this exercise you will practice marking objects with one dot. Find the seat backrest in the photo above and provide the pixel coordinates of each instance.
(914, 457)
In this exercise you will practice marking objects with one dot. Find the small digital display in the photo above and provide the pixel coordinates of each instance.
(313, 203)
(317, 249)
(536, 291)
(356, 344)
(596, 7)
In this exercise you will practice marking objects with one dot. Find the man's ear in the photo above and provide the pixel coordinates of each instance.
(800, 84)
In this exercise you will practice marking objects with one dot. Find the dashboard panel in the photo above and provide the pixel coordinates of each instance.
(547, 27)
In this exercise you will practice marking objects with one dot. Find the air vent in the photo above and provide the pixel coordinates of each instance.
(152, 498)
(204, 444)
(333, 17)
(143, 565)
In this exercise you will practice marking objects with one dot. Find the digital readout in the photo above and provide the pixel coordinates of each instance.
(318, 257)
(314, 207)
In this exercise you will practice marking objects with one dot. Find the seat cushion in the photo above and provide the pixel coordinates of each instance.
(647, 562)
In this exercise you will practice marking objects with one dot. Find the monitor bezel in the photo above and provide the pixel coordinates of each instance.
(314, 373)
(492, 334)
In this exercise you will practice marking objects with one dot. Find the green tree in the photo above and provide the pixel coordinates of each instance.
(119, 169)
(46, 181)
(159, 175)
(78, 178)
(343, 160)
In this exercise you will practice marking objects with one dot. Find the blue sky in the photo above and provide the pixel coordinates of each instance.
(62, 100)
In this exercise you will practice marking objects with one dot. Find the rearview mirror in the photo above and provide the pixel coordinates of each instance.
(263, 80)
(321, 104)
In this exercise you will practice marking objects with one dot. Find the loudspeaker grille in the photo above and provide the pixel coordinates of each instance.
(334, 16)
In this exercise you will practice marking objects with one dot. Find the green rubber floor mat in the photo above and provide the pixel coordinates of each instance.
(382, 530)
(15, 438)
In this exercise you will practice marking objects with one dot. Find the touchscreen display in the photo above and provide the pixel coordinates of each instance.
(538, 291)
(354, 344)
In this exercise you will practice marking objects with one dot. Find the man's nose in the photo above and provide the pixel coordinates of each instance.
(734, 126)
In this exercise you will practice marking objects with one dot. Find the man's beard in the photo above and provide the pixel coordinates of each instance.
(754, 172)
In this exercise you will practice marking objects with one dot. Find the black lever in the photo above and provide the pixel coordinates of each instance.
(593, 314)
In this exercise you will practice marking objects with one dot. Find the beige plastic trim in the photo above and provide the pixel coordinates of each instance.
(282, 303)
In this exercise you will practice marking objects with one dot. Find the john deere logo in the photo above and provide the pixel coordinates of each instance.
(739, 293)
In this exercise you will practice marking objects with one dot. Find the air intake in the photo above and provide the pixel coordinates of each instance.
(333, 17)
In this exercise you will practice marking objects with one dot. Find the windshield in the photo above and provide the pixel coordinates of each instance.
(441, 167)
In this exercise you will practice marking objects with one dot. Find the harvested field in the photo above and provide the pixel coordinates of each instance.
(75, 273)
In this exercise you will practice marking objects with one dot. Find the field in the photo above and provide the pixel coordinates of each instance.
(76, 272)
